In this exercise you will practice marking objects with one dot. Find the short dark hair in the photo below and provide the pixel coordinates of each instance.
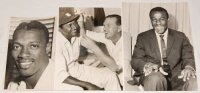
(159, 9)
(118, 18)
(34, 25)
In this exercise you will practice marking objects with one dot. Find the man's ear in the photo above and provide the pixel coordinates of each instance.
(119, 28)
(48, 48)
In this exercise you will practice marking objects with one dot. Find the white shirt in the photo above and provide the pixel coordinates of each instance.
(66, 57)
(68, 53)
(114, 50)
(44, 83)
(159, 43)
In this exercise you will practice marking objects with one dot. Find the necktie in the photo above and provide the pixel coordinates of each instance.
(163, 49)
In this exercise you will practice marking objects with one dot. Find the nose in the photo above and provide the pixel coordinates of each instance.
(158, 22)
(24, 53)
(104, 29)
(75, 26)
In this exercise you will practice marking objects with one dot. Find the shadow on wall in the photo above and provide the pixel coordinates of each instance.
(173, 23)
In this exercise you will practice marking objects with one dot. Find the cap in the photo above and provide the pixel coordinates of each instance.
(66, 15)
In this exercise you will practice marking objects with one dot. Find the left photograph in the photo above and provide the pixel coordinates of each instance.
(30, 54)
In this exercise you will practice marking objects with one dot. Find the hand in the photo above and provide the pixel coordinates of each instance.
(187, 73)
(93, 87)
(88, 43)
(150, 67)
(162, 71)
(89, 22)
(81, 18)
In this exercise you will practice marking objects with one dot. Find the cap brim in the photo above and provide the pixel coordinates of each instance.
(66, 20)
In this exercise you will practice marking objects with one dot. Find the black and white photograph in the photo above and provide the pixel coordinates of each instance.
(89, 49)
(162, 57)
(29, 57)
(111, 46)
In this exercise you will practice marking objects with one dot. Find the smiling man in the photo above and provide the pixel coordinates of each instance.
(163, 56)
(112, 38)
(70, 74)
(30, 48)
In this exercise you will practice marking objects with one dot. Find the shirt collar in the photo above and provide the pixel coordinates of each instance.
(119, 41)
(66, 41)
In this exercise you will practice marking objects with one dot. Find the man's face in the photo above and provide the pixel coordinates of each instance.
(71, 29)
(159, 21)
(111, 29)
(29, 51)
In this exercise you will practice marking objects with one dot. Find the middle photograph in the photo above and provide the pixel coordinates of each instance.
(89, 49)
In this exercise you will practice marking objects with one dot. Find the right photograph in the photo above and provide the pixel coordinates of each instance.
(158, 41)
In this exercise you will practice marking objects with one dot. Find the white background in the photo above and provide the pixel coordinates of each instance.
(49, 8)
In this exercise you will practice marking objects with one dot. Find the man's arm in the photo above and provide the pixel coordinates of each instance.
(88, 43)
(187, 60)
(138, 62)
(105, 59)
(139, 58)
(85, 85)
(81, 24)
(187, 53)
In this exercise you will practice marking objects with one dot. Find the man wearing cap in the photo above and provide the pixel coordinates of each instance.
(69, 72)
(30, 48)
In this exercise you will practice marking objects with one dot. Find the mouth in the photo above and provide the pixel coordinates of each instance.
(75, 31)
(24, 63)
(159, 27)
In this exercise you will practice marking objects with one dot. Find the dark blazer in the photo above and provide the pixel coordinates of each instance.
(179, 51)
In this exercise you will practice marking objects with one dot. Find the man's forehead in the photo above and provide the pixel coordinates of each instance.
(110, 20)
(72, 22)
(162, 13)
(28, 35)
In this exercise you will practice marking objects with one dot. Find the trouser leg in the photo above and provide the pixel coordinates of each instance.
(154, 82)
(102, 77)
(178, 84)
(190, 85)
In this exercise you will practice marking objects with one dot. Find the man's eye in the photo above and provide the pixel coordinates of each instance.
(107, 25)
(163, 19)
(34, 46)
(154, 20)
(16, 47)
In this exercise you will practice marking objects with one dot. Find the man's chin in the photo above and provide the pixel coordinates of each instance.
(160, 31)
(76, 35)
(25, 73)
(106, 36)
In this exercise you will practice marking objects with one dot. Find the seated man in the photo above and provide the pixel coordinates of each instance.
(164, 57)
(113, 41)
(30, 48)
(70, 74)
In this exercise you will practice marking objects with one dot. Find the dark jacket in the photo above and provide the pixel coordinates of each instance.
(179, 51)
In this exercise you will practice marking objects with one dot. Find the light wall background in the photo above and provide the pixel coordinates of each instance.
(46, 8)
(136, 20)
